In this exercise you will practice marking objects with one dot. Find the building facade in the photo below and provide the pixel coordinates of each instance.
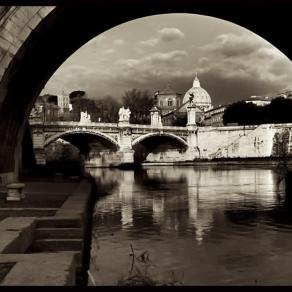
(168, 100)
(214, 116)
(63, 102)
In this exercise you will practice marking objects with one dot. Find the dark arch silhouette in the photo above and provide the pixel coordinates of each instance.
(83, 139)
(67, 28)
(149, 143)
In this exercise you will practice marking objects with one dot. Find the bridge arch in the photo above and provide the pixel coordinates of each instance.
(82, 132)
(169, 135)
(35, 41)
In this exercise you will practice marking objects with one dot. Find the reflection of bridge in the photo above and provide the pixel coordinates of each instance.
(121, 138)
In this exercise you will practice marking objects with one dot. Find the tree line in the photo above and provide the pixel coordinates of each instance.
(279, 110)
(105, 109)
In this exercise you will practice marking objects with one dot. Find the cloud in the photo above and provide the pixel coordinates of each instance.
(119, 42)
(245, 61)
(108, 51)
(231, 67)
(168, 34)
(150, 42)
(155, 59)
(230, 45)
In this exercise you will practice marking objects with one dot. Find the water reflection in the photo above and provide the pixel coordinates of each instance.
(209, 223)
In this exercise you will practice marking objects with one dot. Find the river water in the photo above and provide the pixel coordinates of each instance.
(195, 226)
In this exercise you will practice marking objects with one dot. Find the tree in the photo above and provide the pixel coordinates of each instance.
(80, 103)
(140, 103)
(107, 109)
(242, 113)
(279, 111)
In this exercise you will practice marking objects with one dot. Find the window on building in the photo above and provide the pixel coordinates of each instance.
(170, 102)
(161, 103)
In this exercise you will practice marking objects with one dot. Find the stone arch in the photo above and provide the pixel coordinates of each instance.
(82, 132)
(172, 136)
(31, 38)
(158, 144)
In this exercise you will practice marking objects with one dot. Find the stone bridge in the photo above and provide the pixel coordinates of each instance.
(121, 138)
(122, 143)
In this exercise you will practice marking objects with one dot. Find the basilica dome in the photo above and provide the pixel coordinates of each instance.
(201, 97)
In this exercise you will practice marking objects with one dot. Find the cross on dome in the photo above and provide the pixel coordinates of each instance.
(196, 82)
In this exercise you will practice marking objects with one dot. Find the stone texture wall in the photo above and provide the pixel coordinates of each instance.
(263, 141)
(15, 26)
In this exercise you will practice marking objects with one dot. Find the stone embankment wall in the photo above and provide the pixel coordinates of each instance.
(261, 141)
(208, 143)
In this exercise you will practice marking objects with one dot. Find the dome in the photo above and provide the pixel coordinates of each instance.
(201, 97)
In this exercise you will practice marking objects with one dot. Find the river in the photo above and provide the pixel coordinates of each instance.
(192, 226)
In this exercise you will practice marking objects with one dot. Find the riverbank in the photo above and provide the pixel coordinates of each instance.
(45, 237)
(226, 161)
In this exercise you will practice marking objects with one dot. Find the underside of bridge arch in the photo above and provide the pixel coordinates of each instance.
(86, 142)
(59, 34)
(160, 147)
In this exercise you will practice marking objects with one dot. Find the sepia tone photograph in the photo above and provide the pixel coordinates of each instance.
(146, 143)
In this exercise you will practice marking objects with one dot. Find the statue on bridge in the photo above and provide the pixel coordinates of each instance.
(155, 117)
(85, 117)
(124, 114)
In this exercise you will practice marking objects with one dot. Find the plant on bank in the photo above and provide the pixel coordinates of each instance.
(139, 274)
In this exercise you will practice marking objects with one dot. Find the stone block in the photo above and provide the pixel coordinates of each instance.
(44, 11)
(34, 21)
(17, 21)
(7, 35)
(5, 44)
(15, 192)
(44, 269)
(17, 43)
(13, 49)
(13, 28)
(58, 233)
(2, 71)
(16, 234)
(20, 17)
(24, 33)
(30, 11)
(45, 245)
(16, 223)
(6, 60)
(2, 53)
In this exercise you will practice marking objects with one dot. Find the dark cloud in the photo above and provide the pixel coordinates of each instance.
(232, 66)
(237, 66)
(231, 45)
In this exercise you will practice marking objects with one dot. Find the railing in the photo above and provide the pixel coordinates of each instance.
(108, 125)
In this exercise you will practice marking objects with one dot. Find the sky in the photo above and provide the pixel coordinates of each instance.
(153, 52)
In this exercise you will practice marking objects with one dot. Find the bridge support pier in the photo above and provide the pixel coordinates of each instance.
(38, 140)
(108, 158)
(193, 151)
(40, 156)
(126, 156)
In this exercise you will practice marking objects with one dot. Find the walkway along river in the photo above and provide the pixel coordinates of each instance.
(197, 225)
